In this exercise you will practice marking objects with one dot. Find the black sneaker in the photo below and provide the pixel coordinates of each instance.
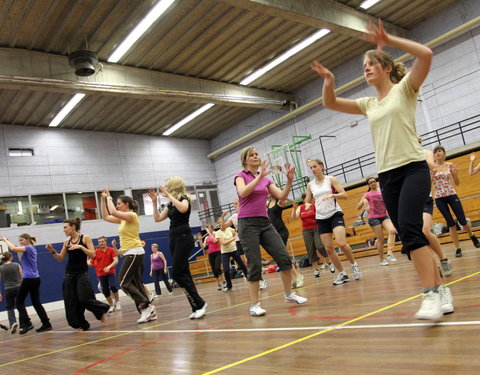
(45, 328)
(24, 330)
(5, 328)
(458, 253)
(475, 241)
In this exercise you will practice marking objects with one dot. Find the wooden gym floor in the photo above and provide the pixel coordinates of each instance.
(362, 327)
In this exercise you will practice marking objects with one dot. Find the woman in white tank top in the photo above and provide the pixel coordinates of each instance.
(326, 190)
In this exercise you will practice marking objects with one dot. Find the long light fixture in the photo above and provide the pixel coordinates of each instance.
(189, 118)
(292, 51)
(140, 29)
(66, 110)
(369, 3)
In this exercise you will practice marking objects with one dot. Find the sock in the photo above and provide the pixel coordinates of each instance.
(444, 260)
(426, 290)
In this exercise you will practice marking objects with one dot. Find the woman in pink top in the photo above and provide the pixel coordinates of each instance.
(378, 219)
(214, 255)
(255, 228)
(445, 177)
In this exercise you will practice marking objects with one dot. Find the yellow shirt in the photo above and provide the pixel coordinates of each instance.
(394, 131)
(129, 233)
(227, 234)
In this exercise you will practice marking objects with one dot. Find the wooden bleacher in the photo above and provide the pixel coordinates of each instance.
(468, 191)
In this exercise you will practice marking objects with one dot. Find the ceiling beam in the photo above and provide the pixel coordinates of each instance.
(48, 72)
(317, 13)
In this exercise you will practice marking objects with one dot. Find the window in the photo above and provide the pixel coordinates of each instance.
(83, 205)
(20, 152)
(193, 197)
(145, 206)
(14, 211)
(48, 209)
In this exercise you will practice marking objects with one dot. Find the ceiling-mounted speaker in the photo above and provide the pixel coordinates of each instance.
(84, 62)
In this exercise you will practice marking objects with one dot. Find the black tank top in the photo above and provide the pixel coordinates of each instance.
(275, 216)
(77, 259)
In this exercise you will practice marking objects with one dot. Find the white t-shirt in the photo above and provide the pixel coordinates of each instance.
(234, 219)
(324, 209)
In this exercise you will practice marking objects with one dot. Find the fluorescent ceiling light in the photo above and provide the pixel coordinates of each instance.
(66, 110)
(368, 3)
(189, 118)
(140, 29)
(292, 51)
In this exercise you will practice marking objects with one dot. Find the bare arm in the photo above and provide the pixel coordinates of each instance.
(361, 203)
(14, 248)
(340, 194)
(58, 256)
(295, 210)
(157, 216)
(181, 206)
(105, 213)
(244, 190)
(164, 260)
(281, 195)
(471, 169)
(308, 196)
(88, 249)
(454, 172)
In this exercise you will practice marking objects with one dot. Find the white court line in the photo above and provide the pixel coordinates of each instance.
(317, 328)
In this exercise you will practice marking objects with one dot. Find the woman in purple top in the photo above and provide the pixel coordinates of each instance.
(30, 283)
(158, 268)
(255, 228)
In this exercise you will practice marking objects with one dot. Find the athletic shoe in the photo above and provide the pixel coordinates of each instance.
(118, 307)
(341, 278)
(391, 258)
(431, 307)
(151, 297)
(446, 299)
(475, 241)
(323, 266)
(299, 281)
(263, 284)
(170, 293)
(316, 273)
(145, 314)
(226, 289)
(256, 310)
(357, 275)
(152, 316)
(192, 315)
(111, 309)
(383, 262)
(44, 328)
(219, 287)
(14, 328)
(458, 253)
(293, 298)
(332, 267)
(201, 312)
(24, 330)
(5, 328)
(446, 268)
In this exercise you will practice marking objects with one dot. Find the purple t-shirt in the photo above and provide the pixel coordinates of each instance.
(28, 262)
(255, 204)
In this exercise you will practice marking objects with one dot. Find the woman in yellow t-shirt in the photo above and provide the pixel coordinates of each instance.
(402, 170)
(131, 247)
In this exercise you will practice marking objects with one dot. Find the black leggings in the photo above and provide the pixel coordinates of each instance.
(226, 266)
(405, 191)
(181, 244)
(454, 202)
(30, 286)
(78, 295)
(215, 260)
(160, 275)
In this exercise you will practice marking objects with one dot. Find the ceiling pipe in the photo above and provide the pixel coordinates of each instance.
(316, 102)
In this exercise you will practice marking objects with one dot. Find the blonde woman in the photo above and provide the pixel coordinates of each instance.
(181, 238)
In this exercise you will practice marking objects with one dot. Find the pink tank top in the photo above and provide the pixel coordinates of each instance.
(377, 206)
(213, 247)
(442, 184)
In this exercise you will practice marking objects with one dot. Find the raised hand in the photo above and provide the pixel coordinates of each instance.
(163, 191)
(264, 171)
(472, 156)
(50, 248)
(321, 70)
(105, 192)
(453, 169)
(377, 35)
(114, 243)
(153, 195)
(289, 172)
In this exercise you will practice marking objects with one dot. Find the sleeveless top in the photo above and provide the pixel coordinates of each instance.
(324, 209)
(308, 217)
(377, 205)
(157, 262)
(77, 259)
(275, 216)
(129, 233)
(178, 220)
(443, 185)
(213, 247)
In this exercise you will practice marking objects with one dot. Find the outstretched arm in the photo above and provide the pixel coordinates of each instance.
(471, 169)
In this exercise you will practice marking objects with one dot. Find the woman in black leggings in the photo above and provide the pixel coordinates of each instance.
(181, 239)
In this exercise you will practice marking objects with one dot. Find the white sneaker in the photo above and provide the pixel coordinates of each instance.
(323, 266)
(341, 278)
(299, 281)
(391, 258)
(357, 275)
(263, 284)
(14, 328)
(201, 312)
(111, 309)
(383, 262)
(256, 310)
(446, 299)
(293, 298)
(332, 267)
(145, 314)
(192, 315)
(118, 307)
(316, 273)
(431, 307)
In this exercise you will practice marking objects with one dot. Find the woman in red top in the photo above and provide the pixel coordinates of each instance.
(313, 243)
(214, 255)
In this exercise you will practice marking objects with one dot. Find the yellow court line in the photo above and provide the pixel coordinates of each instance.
(325, 330)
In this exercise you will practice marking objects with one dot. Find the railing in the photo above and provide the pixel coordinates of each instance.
(434, 137)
